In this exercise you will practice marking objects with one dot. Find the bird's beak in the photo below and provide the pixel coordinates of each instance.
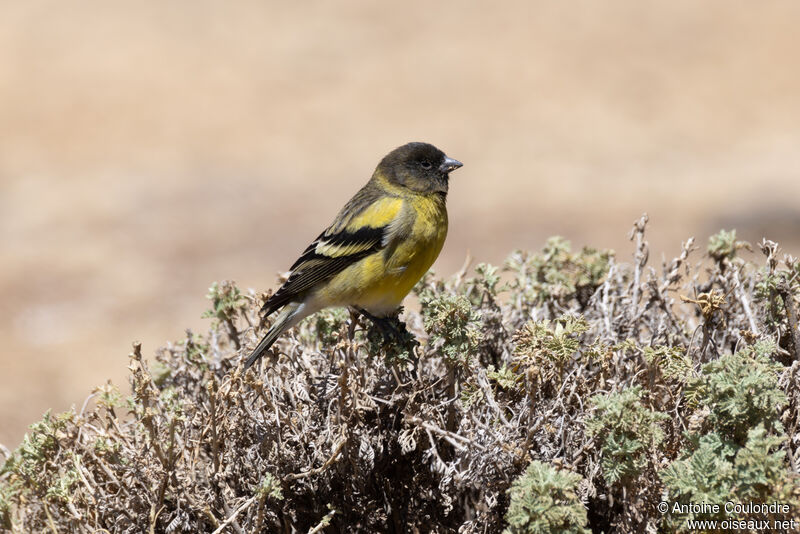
(450, 164)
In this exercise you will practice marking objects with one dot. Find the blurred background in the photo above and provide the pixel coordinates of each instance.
(150, 148)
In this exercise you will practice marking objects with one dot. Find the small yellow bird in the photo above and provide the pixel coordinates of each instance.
(378, 247)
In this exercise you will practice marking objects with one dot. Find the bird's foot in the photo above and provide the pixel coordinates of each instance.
(395, 340)
(391, 327)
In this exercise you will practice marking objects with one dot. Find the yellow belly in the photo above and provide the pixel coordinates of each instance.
(380, 282)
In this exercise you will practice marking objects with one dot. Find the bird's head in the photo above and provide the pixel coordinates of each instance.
(420, 167)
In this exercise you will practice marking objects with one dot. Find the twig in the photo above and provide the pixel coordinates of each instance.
(233, 333)
(451, 395)
(50, 519)
(260, 513)
(674, 275)
(579, 454)
(745, 303)
(791, 314)
(212, 397)
(168, 465)
(324, 522)
(604, 301)
(235, 513)
(108, 472)
(436, 451)
(79, 469)
(451, 437)
(487, 393)
(316, 471)
(142, 380)
(154, 518)
(459, 276)
(639, 258)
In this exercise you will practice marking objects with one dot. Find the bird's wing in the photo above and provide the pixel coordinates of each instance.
(362, 228)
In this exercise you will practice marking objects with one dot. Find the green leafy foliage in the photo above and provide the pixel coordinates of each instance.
(734, 450)
(718, 471)
(549, 345)
(61, 489)
(270, 487)
(484, 285)
(8, 493)
(326, 326)
(545, 500)
(723, 245)
(505, 377)
(227, 303)
(672, 362)
(31, 469)
(38, 445)
(454, 325)
(626, 432)
(226, 300)
(777, 289)
(196, 349)
(557, 274)
(739, 391)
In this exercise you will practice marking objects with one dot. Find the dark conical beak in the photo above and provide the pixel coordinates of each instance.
(450, 164)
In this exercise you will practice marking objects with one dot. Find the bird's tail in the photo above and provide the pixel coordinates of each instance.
(291, 314)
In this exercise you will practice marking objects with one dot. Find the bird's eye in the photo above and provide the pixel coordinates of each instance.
(425, 165)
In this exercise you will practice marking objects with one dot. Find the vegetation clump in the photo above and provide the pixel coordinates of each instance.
(734, 446)
(563, 392)
(626, 432)
(545, 499)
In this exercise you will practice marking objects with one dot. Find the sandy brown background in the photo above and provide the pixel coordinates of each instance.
(150, 149)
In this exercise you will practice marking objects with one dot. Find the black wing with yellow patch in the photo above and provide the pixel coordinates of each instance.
(357, 232)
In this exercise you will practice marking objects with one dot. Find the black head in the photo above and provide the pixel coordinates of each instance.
(420, 167)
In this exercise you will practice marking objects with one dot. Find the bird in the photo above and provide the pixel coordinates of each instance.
(377, 248)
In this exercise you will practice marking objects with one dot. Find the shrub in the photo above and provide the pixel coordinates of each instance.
(545, 500)
(735, 444)
(498, 406)
(626, 431)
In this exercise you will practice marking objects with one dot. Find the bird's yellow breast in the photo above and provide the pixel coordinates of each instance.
(380, 282)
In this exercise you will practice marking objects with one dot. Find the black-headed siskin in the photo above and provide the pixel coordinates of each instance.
(378, 246)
